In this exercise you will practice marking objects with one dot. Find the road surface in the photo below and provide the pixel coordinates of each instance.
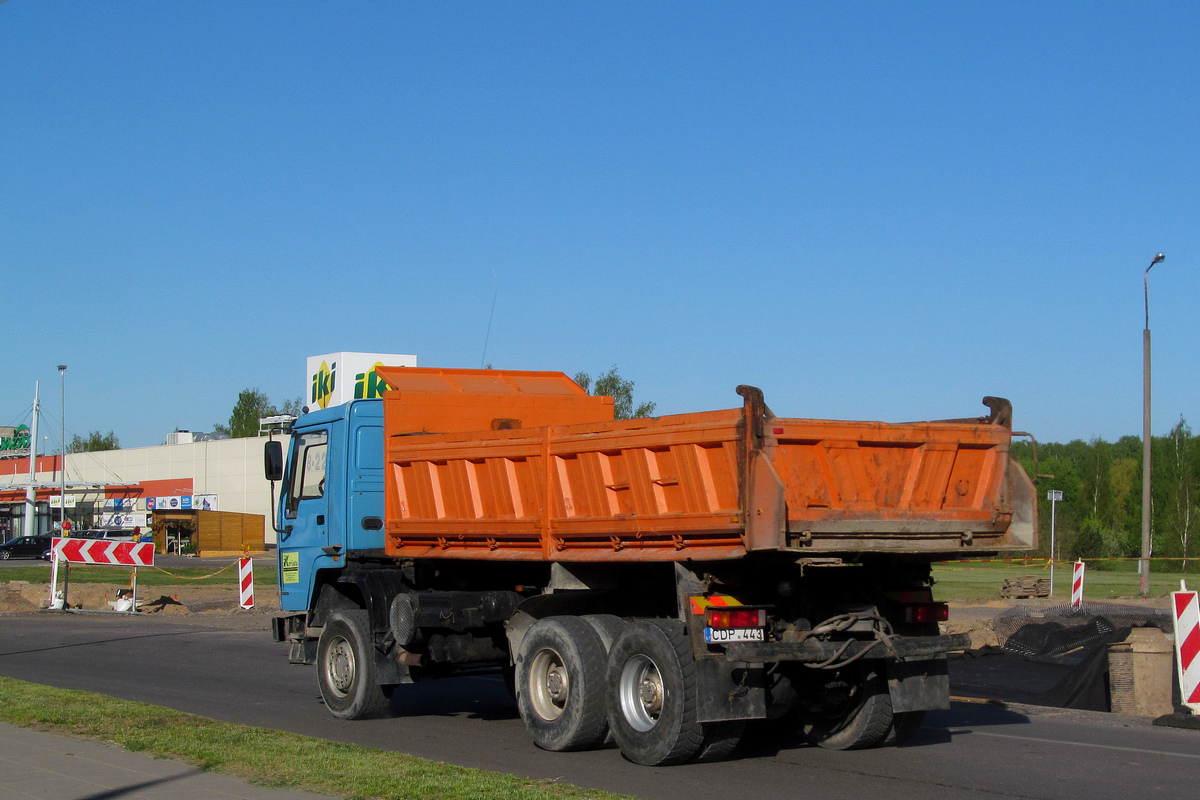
(242, 676)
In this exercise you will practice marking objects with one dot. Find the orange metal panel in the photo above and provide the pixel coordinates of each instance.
(441, 400)
(691, 486)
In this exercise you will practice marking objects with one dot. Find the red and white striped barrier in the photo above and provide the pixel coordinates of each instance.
(1187, 646)
(97, 551)
(246, 582)
(1077, 585)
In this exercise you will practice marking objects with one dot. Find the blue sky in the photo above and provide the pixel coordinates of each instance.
(874, 210)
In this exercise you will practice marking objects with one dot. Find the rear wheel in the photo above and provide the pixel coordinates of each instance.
(651, 694)
(904, 726)
(346, 667)
(560, 684)
(847, 709)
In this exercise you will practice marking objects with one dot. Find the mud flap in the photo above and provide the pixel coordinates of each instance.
(919, 685)
(730, 690)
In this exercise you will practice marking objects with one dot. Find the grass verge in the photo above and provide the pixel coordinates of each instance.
(263, 756)
(982, 581)
(264, 575)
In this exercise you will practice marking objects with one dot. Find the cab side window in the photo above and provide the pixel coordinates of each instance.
(307, 479)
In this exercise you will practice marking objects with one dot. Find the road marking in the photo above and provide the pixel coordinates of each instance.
(1086, 744)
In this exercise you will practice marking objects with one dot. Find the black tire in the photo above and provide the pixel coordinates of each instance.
(560, 684)
(5, 555)
(608, 626)
(905, 725)
(346, 667)
(721, 739)
(652, 707)
(849, 709)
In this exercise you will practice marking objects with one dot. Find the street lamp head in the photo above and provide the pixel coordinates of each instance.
(63, 367)
(1157, 259)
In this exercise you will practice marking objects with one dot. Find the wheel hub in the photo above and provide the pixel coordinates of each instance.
(340, 667)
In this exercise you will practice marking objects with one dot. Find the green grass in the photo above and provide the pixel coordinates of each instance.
(982, 581)
(264, 757)
(264, 575)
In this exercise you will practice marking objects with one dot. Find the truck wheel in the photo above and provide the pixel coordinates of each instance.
(346, 667)
(904, 726)
(721, 739)
(560, 684)
(849, 709)
(651, 694)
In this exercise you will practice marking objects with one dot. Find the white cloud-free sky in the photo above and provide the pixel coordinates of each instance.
(875, 210)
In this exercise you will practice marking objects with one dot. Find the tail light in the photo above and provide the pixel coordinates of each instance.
(927, 612)
(736, 618)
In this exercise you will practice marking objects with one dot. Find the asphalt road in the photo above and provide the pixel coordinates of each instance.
(241, 676)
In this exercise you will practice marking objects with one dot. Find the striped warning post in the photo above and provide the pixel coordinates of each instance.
(246, 582)
(1187, 647)
(1077, 585)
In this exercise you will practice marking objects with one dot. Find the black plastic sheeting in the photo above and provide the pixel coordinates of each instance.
(1054, 631)
(1076, 638)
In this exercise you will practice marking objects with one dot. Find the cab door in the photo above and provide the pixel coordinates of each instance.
(305, 517)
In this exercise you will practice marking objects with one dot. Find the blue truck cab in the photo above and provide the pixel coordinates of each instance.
(331, 497)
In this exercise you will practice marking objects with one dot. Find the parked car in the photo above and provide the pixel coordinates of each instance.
(24, 547)
(106, 535)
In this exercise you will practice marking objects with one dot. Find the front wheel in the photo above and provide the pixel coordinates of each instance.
(5, 555)
(346, 667)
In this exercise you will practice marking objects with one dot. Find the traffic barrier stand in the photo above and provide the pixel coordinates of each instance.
(1187, 645)
(246, 582)
(98, 552)
(1077, 585)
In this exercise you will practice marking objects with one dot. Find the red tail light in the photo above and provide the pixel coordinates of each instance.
(927, 612)
(736, 617)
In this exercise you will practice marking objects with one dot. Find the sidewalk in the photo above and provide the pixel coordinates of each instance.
(43, 766)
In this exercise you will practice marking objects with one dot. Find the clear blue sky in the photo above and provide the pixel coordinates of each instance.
(872, 210)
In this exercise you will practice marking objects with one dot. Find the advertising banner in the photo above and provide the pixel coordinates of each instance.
(336, 378)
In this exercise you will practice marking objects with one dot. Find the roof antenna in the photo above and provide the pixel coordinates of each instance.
(488, 335)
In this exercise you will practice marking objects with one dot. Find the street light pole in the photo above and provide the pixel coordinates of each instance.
(1144, 564)
(62, 476)
(1054, 495)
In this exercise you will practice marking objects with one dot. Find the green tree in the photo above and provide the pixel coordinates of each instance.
(93, 442)
(620, 390)
(252, 405)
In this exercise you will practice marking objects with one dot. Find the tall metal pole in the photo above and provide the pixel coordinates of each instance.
(1144, 564)
(30, 491)
(62, 463)
(1054, 495)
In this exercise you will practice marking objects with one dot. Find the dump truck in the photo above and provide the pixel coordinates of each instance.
(659, 583)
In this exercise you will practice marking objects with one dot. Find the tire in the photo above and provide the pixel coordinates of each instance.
(652, 708)
(905, 725)
(849, 709)
(608, 626)
(720, 740)
(346, 667)
(5, 555)
(560, 684)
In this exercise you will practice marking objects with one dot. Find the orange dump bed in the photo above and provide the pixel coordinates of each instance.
(705, 486)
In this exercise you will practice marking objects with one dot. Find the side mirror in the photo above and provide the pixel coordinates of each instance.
(273, 460)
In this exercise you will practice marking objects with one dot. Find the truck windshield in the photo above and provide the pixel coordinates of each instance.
(307, 478)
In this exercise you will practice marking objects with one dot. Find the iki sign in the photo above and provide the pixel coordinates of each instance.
(338, 378)
(14, 442)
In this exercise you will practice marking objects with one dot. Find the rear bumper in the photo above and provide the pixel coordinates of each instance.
(909, 647)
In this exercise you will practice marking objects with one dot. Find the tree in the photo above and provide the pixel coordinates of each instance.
(620, 390)
(94, 442)
(252, 405)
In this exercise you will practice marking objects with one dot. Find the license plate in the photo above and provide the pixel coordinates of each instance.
(718, 635)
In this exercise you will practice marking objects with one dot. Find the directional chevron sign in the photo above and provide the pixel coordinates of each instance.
(97, 551)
